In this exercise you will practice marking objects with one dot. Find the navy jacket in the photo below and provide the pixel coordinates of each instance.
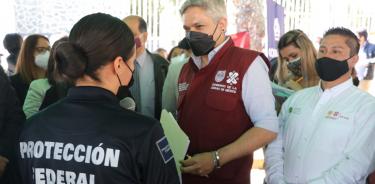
(11, 120)
(369, 49)
(88, 136)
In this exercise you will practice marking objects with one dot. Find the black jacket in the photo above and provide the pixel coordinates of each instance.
(89, 134)
(11, 120)
(20, 86)
(160, 71)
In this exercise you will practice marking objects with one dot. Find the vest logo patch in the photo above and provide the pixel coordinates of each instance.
(164, 149)
(232, 78)
(183, 86)
(294, 110)
(227, 86)
(220, 75)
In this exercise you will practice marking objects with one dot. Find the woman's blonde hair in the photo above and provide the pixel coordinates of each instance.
(300, 40)
(26, 66)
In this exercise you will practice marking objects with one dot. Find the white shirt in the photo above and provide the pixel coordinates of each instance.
(361, 65)
(325, 137)
(256, 92)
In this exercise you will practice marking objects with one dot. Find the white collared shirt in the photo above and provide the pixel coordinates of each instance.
(328, 94)
(198, 60)
(256, 91)
(324, 137)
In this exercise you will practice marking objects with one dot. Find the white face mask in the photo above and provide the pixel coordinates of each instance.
(179, 58)
(41, 60)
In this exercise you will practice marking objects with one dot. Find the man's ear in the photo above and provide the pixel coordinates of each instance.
(145, 36)
(352, 61)
(222, 24)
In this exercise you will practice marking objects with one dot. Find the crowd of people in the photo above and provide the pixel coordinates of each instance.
(87, 109)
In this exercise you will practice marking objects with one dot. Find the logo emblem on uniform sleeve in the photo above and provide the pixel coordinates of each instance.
(220, 75)
(164, 149)
(232, 78)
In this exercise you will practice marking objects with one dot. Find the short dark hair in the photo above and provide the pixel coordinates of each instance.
(142, 25)
(12, 42)
(50, 75)
(94, 41)
(352, 40)
(363, 33)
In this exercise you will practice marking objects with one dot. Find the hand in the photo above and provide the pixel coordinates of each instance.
(200, 164)
(3, 163)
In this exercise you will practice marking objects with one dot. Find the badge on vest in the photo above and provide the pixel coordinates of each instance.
(183, 86)
(295, 110)
(220, 75)
(229, 86)
(232, 78)
(335, 115)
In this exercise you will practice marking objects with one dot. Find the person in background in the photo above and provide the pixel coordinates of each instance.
(170, 88)
(11, 120)
(225, 103)
(296, 61)
(12, 42)
(162, 52)
(90, 137)
(327, 131)
(178, 51)
(31, 64)
(273, 67)
(365, 65)
(150, 72)
(45, 91)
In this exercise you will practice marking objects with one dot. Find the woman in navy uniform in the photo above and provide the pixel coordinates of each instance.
(88, 137)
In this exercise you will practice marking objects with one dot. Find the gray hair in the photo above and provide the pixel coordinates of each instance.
(215, 9)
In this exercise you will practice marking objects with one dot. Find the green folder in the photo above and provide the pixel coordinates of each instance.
(177, 139)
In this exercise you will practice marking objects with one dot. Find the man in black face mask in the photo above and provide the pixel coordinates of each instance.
(225, 102)
(327, 131)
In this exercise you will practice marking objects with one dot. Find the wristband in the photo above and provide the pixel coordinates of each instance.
(216, 159)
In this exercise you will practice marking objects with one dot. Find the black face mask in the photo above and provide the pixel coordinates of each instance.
(123, 90)
(330, 69)
(201, 43)
(295, 67)
(184, 44)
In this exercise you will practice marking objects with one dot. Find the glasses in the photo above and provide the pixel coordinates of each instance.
(42, 49)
